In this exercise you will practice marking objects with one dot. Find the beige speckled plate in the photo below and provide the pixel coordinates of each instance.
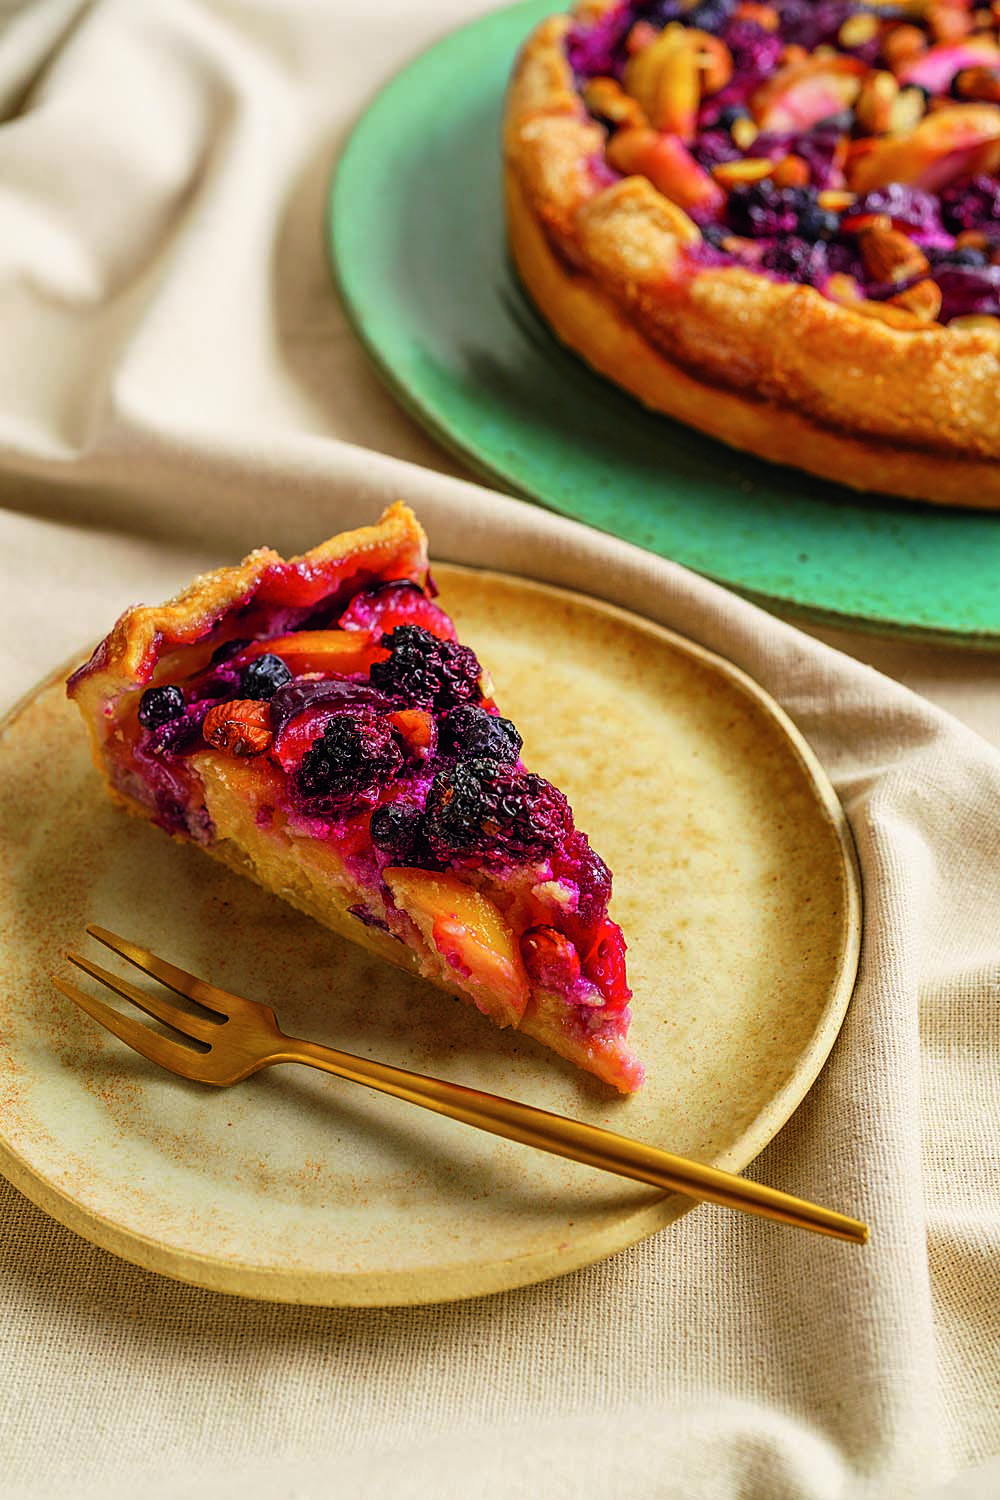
(735, 883)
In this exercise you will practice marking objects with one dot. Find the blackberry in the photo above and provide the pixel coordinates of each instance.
(469, 731)
(262, 677)
(355, 753)
(763, 210)
(972, 205)
(911, 206)
(486, 807)
(158, 705)
(710, 15)
(715, 146)
(428, 672)
(797, 260)
(396, 830)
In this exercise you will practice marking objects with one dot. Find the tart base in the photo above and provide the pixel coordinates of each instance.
(586, 319)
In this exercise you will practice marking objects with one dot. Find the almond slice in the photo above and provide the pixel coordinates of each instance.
(923, 299)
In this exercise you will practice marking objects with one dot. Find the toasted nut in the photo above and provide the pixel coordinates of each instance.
(971, 239)
(858, 29)
(607, 98)
(977, 323)
(793, 54)
(862, 223)
(873, 109)
(923, 299)
(843, 289)
(890, 256)
(908, 109)
(765, 16)
(835, 199)
(902, 44)
(737, 244)
(242, 727)
(744, 132)
(715, 61)
(791, 171)
(981, 84)
(734, 173)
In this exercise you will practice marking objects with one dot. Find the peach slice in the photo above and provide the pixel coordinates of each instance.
(935, 69)
(663, 78)
(957, 141)
(669, 166)
(341, 651)
(472, 938)
(803, 93)
(667, 77)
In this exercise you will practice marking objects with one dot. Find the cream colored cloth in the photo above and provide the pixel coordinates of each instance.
(177, 385)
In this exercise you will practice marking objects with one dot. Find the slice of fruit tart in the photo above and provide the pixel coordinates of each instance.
(778, 221)
(316, 725)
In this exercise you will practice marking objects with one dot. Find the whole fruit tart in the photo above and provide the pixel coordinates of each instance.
(316, 725)
(777, 221)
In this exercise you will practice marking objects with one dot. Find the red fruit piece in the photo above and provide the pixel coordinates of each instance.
(319, 651)
(298, 734)
(604, 965)
(550, 958)
(418, 730)
(379, 610)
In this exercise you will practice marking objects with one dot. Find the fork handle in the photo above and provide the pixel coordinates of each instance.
(575, 1140)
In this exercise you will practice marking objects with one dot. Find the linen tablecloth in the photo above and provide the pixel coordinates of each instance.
(177, 385)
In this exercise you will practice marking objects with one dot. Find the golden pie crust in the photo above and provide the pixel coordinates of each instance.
(885, 403)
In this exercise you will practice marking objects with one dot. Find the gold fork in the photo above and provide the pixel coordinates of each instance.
(239, 1037)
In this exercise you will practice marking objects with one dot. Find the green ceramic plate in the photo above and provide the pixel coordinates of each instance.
(417, 241)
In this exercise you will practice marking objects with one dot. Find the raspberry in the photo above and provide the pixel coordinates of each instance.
(972, 205)
(427, 672)
(471, 732)
(262, 677)
(355, 754)
(399, 602)
(488, 808)
(159, 705)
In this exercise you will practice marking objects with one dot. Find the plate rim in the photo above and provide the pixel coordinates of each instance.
(495, 472)
(447, 1284)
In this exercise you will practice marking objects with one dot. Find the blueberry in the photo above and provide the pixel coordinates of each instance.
(728, 116)
(469, 731)
(355, 753)
(815, 223)
(396, 830)
(262, 677)
(962, 255)
(225, 651)
(489, 808)
(159, 705)
(426, 671)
